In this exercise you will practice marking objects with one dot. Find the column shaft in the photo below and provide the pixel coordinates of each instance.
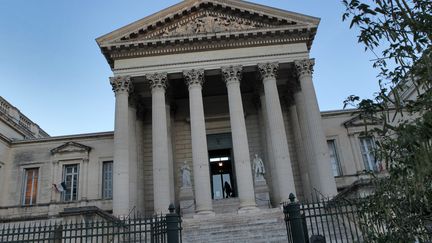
(161, 190)
(200, 160)
(133, 170)
(277, 131)
(232, 76)
(320, 172)
(121, 86)
(269, 150)
(303, 166)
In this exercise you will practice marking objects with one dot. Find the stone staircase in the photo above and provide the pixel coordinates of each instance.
(264, 225)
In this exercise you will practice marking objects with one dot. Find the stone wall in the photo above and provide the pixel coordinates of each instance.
(37, 154)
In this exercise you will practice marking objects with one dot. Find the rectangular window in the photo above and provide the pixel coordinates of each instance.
(334, 158)
(367, 147)
(70, 178)
(30, 186)
(107, 179)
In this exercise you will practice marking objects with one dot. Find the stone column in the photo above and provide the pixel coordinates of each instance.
(195, 79)
(133, 156)
(285, 179)
(121, 86)
(161, 190)
(314, 142)
(303, 166)
(232, 76)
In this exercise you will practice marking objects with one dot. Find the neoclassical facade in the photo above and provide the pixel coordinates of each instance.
(242, 68)
(205, 91)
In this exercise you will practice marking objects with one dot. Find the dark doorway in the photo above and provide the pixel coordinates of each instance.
(222, 174)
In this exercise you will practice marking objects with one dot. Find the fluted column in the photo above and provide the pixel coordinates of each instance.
(161, 190)
(232, 76)
(314, 143)
(195, 79)
(285, 179)
(133, 155)
(121, 86)
(303, 166)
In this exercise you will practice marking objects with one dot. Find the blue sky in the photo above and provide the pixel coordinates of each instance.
(52, 70)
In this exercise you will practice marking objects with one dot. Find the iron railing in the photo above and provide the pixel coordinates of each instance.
(158, 228)
(322, 221)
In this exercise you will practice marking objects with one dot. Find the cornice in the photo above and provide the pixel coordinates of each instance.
(66, 137)
(169, 14)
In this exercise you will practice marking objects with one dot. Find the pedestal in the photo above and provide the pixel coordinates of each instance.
(262, 194)
(187, 201)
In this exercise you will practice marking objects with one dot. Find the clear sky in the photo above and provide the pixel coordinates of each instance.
(52, 70)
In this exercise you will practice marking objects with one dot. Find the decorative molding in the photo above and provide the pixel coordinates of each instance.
(205, 22)
(194, 77)
(211, 60)
(232, 74)
(70, 147)
(268, 70)
(304, 67)
(158, 80)
(176, 46)
(121, 84)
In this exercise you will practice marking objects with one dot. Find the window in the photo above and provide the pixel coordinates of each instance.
(334, 158)
(70, 178)
(107, 179)
(30, 186)
(367, 150)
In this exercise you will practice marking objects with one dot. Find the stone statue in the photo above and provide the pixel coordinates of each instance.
(186, 175)
(258, 168)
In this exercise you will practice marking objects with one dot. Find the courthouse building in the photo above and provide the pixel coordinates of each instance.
(204, 91)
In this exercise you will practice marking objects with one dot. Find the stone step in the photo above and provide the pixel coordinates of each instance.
(265, 225)
(228, 205)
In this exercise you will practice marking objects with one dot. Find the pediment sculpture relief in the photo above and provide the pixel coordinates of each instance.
(208, 22)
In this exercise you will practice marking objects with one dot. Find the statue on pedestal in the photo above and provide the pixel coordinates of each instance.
(186, 175)
(258, 168)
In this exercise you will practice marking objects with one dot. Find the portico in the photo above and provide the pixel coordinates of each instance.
(203, 68)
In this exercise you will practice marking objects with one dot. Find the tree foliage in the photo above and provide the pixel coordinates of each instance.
(399, 33)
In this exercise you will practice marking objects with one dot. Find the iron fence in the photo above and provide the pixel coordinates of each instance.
(338, 221)
(158, 228)
(323, 221)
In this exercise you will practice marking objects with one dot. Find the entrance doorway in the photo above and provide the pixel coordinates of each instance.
(221, 160)
(221, 172)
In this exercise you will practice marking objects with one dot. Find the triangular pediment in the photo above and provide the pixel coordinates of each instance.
(202, 23)
(200, 17)
(199, 25)
(362, 120)
(70, 147)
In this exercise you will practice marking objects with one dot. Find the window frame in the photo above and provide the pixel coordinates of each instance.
(77, 180)
(371, 164)
(107, 195)
(336, 155)
(34, 191)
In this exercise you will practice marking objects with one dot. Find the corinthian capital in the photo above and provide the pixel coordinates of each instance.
(232, 74)
(194, 77)
(121, 84)
(268, 70)
(158, 80)
(304, 67)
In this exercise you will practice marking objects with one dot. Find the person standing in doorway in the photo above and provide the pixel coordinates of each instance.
(228, 189)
